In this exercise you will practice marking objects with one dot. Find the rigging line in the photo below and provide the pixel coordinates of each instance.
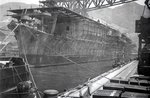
(4, 47)
(29, 68)
(17, 74)
(14, 68)
(13, 75)
(8, 90)
(11, 32)
(6, 39)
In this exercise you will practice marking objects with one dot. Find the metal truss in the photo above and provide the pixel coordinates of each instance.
(83, 6)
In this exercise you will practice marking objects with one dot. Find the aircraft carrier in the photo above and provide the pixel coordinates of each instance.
(63, 48)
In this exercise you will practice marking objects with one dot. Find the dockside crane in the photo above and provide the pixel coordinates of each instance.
(83, 6)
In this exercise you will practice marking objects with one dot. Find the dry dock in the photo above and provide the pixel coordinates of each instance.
(121, 82)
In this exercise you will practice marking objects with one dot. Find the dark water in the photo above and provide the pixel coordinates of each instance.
(62, 77)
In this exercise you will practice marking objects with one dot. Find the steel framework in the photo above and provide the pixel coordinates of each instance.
(83, 6)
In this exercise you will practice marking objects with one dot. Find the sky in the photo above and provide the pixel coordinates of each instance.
(24, 1)
(37, 1)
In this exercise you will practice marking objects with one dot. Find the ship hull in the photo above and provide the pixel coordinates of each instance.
(55, 72)
(65, 76)
(61, 63)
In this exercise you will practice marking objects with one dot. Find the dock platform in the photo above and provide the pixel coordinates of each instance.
(120, 82)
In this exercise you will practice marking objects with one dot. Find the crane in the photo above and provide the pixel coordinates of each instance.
(83, 6)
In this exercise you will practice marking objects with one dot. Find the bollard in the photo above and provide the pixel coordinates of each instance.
(50, 93)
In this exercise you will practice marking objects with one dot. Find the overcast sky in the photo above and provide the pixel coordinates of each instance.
(37, 1)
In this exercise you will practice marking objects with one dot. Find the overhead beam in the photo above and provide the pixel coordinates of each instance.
(89, 5)
(83, 6)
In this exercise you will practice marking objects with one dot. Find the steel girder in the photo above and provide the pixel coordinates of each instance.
(83, 6)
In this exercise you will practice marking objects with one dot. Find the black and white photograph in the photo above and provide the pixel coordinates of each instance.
(74, 48)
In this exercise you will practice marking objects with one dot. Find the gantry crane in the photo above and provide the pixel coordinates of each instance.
(83, 6)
